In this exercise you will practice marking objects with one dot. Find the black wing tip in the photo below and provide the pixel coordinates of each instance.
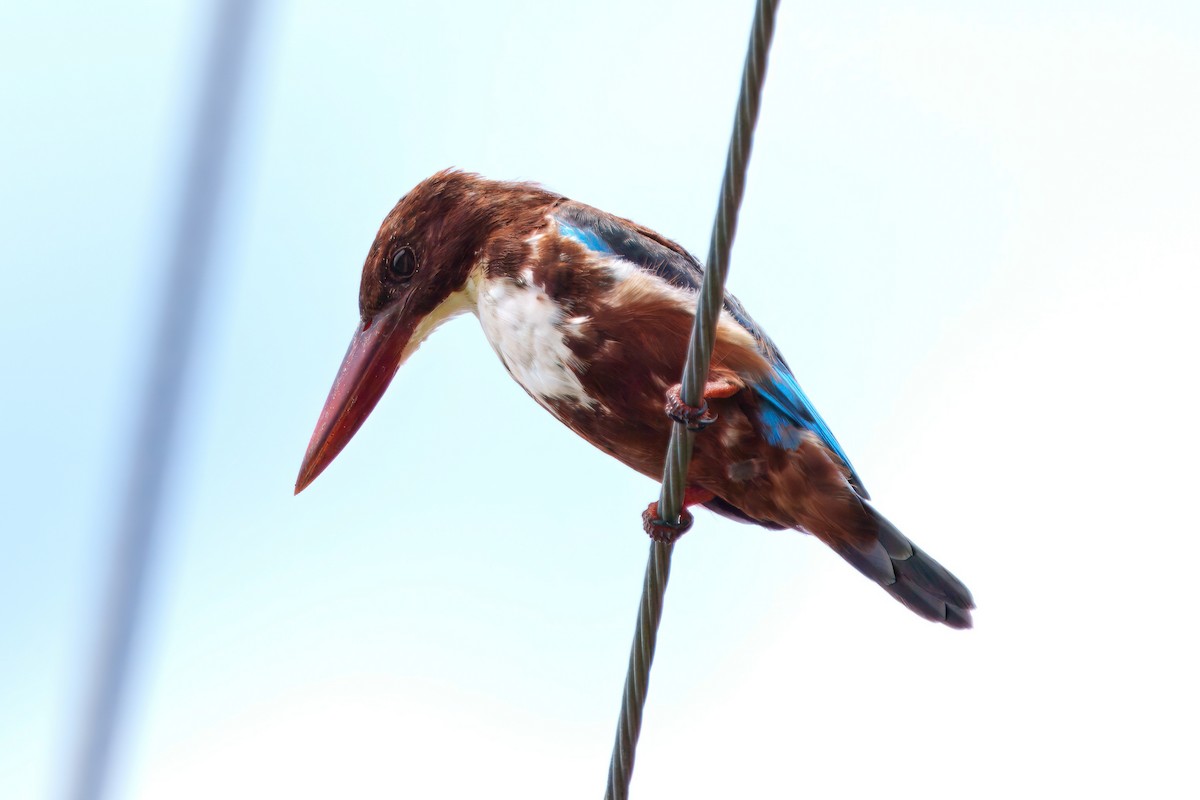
(857, 484)
(931, 576)
(911, 576)
(959, 618)
(932, 608)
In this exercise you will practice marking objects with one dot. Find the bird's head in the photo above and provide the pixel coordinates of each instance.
(417, 275)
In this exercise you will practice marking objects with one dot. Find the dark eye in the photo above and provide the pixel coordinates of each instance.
(403, 264)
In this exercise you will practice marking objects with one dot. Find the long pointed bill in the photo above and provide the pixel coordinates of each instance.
(369, 366)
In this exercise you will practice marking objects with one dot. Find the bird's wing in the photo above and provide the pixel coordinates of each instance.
(786, 413)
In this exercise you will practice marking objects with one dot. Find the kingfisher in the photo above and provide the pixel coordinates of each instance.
(591, 314)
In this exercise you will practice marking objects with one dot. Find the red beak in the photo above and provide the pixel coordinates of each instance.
(369, 366)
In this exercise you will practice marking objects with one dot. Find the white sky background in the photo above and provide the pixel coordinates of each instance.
(973, 232)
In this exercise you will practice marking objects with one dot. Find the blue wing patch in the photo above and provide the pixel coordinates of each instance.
(588, 238)
(785, 412)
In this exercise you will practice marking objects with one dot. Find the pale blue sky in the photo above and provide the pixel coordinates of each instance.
(972, 230)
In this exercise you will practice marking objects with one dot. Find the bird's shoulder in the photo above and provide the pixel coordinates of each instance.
(607, 234)
(654, 254)
(786, 412)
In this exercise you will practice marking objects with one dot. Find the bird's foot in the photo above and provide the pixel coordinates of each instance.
(698, 418)
(695, 418)
(662, 531)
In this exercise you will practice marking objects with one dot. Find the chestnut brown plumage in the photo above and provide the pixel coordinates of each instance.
(591, 314)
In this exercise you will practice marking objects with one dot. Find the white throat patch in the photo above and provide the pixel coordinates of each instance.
(451, 307)
(524, 326)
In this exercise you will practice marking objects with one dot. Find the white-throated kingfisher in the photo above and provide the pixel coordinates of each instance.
(591, 314)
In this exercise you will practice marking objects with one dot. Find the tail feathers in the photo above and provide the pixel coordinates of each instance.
(909, 575)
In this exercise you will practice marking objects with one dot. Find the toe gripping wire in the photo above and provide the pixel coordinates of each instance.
(670, 510)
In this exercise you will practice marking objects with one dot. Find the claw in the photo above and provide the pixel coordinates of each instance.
(695, 418)
(662, 531)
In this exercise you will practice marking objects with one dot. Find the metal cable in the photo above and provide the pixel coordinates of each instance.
(695, 375)
(138, 524)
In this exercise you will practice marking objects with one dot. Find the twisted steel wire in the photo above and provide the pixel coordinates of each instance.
(695, 375)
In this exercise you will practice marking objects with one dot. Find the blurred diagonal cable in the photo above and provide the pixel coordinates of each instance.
(137, 527)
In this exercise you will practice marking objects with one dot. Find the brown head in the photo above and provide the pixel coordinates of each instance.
(416, 276)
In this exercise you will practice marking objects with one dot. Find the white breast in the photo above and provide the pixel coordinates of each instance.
(527, 330)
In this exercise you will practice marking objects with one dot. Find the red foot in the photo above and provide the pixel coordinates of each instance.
(662, 531)
(698, 418)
